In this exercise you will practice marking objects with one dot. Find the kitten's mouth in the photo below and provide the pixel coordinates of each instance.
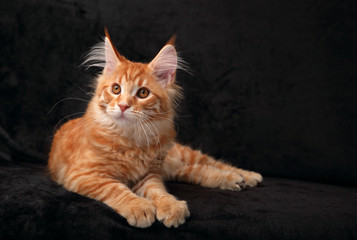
(122, 117)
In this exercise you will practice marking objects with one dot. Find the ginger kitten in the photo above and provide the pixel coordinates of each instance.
(123, 148)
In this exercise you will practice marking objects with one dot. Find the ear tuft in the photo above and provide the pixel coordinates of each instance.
(104, 55)
(172, 40)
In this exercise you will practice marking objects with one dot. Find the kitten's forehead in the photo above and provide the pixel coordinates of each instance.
(136, 79)
(133, 72)
(131, 77)
(138, 75)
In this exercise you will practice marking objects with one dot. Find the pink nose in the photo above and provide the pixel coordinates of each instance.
(123, 107)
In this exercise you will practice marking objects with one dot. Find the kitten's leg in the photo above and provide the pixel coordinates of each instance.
(186, 164)
(138, 211)
(205, 175)
(169, 210)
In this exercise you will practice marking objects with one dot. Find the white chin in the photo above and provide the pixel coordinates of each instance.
(123, 121)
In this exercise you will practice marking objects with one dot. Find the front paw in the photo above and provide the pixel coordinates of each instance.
(251, 178)
(170, 211)
(232, 181)
(140, 212)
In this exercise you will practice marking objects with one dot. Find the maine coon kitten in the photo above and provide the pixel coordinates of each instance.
(123, 148)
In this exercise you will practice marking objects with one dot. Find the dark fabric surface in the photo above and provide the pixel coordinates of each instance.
(273, 90)
(273, 86)
(33, 207)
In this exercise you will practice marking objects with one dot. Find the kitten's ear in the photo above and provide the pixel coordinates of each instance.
(164, 65)
(112, 56)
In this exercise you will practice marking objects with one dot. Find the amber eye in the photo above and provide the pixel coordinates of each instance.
(116, 89)
(142, 93)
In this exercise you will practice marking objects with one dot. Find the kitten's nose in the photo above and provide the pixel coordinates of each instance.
(123, 107)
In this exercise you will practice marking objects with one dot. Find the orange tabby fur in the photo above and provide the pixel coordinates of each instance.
(122, 160)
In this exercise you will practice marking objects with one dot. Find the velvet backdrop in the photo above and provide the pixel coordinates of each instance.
(273, 87)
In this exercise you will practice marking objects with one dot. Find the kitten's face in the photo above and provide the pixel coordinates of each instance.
(131, 95)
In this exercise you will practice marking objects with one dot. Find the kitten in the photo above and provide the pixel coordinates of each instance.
(123, 148)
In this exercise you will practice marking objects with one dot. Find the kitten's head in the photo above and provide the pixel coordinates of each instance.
(130, 94)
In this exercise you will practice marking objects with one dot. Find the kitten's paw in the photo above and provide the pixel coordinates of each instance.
(139, 213)
(171, 211)
(252, 179)
(233, 181)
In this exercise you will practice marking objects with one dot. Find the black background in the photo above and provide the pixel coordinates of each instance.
(273, 87)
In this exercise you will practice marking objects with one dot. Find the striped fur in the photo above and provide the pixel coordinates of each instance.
(122, 155)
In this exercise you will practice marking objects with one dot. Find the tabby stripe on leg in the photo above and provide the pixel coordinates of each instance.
(204, 175)
(151, 181)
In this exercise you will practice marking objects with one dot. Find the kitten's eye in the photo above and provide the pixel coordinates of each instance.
(116, 88)
(143, 93)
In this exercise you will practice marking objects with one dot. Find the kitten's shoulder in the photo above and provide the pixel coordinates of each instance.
(70, 125)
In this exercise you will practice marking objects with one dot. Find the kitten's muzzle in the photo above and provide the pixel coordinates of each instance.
(123, 107)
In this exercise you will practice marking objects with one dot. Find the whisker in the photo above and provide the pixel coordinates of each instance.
(147, 139)
(69, 98)
(156, 138)
(86, 92)
(70, 115)
(163, 118)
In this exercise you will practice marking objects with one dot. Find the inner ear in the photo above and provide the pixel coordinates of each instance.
(164, 65)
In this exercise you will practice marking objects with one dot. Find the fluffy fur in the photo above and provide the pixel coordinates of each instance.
(123, 148)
